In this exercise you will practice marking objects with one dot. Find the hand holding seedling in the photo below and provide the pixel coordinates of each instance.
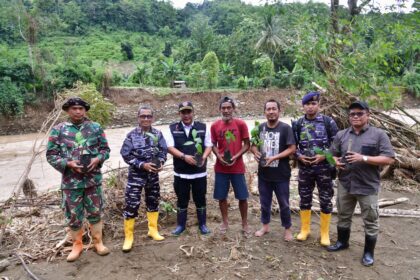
(151, 167)
(74, 165)
(93, 164)
(317, 159)
(305, 159)
(190, 160)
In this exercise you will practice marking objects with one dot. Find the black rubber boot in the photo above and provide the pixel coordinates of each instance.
(370, 243)
(342, 240)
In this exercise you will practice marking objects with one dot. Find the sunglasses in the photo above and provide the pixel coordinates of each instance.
(144, 117)
(356, 114)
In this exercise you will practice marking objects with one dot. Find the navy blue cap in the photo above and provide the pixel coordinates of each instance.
(311, 96)
(226, 99)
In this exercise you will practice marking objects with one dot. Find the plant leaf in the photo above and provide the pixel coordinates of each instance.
(188, 143)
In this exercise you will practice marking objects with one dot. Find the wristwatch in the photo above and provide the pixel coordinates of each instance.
(365, 158)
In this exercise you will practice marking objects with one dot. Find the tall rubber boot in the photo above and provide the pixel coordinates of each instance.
(129, 234)
(325, 229)
(305, 225)
(368, 254)
(342, 240)
(152, 218)
(77, 248)
(202, 217)
(96, 230)
(181, 222)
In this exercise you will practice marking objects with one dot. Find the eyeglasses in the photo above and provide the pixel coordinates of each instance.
(356, 114)
(144, 117)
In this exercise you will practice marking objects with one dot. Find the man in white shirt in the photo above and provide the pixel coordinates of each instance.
(190, 144)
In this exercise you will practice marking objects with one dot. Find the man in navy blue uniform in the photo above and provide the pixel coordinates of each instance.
(314, 131)
(144, 150)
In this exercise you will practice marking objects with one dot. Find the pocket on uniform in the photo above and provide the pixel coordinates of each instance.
(369, 150)
(373, 212)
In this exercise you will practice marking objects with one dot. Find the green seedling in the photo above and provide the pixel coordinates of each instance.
(255, 135)
(196, 141)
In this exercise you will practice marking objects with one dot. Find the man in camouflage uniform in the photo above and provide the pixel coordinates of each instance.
(144, 150)
(313, 131)
(69, 143)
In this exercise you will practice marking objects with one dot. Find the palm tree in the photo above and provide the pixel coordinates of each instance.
(270, 42)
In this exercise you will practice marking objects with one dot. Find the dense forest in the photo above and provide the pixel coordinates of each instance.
(48, 45)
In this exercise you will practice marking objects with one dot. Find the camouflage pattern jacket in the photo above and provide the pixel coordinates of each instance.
(138, 148)
(67, 141)
(318, 136)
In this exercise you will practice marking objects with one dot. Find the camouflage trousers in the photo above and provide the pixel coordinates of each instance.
(307, 179)
(76, 202)
(135, 185)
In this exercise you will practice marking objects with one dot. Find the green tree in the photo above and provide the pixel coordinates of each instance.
(270, 41)
(171, 70)
(210, 64)
(264, 70)
(11, 99)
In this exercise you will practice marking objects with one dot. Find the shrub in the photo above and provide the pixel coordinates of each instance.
(101, 110)
(11, 98)
(210, 65)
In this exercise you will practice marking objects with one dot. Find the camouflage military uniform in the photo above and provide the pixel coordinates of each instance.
(81, 191)
(319, 173)
(136, 150)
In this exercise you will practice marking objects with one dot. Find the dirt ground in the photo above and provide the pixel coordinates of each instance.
(233, 255)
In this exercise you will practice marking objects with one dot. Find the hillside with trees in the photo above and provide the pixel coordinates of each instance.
(47, 46)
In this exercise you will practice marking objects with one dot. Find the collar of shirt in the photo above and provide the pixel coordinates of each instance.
(364, 128)
(187, 126)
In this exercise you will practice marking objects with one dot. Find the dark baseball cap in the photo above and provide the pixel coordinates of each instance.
(359, 104)
(186, 105)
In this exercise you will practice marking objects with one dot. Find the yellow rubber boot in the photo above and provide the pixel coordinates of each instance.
(77, 249)
(96, 230)
(305, 225)
(152, 218)
(129, 234)
(325, 229)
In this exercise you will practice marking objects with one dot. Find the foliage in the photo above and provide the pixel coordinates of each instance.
(171, 70)
(11, 99)
(196, 141)
(264, 70)
(127, 50)
(255, 135)
(230, 137)
(411, 80)
(210, 64)
(46, 46)
(101, 111)
(242, 82)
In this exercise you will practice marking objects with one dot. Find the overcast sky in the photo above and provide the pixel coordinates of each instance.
(382, 4)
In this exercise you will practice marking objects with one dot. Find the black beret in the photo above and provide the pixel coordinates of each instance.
(75, 101)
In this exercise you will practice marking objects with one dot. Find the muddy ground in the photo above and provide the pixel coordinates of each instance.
(234, 256)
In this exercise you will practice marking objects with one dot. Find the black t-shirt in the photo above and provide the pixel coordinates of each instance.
(276, 140)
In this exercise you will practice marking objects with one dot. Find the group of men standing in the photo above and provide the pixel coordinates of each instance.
(313, 140)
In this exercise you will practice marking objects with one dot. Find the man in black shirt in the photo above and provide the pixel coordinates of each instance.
(278, 143)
